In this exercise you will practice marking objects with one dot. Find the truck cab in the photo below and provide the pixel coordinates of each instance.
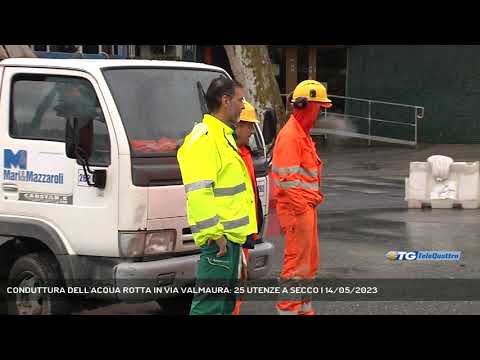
(91, 192)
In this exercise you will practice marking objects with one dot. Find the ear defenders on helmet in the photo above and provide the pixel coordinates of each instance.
(301, 102)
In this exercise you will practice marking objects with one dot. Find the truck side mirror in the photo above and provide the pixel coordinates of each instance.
(78, 139)
(70, 139)
(269, 126)
(78, 145)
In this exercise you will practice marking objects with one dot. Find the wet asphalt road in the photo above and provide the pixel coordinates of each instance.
(363, 217)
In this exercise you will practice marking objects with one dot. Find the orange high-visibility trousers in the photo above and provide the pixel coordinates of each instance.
(301, 256)
(238, 302)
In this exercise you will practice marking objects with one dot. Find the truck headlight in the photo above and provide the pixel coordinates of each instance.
(157, 242)
(131, 244)
(145, 243)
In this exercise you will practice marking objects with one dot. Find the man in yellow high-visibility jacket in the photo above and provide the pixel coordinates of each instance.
(220, 198)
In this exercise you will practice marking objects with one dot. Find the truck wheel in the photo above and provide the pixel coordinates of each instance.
(176, 306)
(36, 270)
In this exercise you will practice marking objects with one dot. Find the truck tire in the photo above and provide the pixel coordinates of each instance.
(36, 269)
(176, 306)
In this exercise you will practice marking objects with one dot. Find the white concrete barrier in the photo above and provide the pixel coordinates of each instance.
(442, 183)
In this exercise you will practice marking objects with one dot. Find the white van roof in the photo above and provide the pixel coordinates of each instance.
(93, 65)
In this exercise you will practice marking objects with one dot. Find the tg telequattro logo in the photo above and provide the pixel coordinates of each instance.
(423, 255)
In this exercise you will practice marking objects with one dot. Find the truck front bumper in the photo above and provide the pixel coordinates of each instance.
(134, 278)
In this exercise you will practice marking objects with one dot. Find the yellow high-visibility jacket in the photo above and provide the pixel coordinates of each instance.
(220, 197)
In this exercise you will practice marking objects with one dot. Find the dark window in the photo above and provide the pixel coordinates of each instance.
(64, 48)
(158, 106)
(54, 48)
(107, 49)
(40, 47)
(302, 63)
(90, 49)
(331, 70)
(158, 49)
(42, 104)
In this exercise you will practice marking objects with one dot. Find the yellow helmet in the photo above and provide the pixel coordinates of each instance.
(248, 114)
(310, 90)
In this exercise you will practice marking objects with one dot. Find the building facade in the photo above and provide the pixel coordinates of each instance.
(444, 79)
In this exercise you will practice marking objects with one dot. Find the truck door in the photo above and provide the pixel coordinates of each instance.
(39, 181)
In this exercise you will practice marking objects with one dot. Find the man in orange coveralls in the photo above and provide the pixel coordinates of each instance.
(296, 172)
(245, 129)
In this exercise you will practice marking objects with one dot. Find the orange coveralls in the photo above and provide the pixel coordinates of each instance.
(296, 171)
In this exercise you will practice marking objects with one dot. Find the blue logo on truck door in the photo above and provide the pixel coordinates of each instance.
(15, 169)
(18, 160)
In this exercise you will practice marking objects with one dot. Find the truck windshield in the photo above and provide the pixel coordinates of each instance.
(159, 106)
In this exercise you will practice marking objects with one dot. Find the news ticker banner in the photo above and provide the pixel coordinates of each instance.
(273, 289)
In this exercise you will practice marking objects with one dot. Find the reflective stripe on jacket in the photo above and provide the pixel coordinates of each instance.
(296, 168)
(220, 197)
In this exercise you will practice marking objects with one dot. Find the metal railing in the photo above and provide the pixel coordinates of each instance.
(417, 114)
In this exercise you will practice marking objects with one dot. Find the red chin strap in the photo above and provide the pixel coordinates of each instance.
(307, 116)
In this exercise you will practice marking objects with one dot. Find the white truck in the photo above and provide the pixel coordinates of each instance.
(91, 193)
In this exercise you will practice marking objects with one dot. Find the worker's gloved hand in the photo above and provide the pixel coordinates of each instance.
(249, 243)
(222, 245)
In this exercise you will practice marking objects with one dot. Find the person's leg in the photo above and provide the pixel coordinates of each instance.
(315, 246)
(288, 221)
(236, 310)
(239, 301)
(307, 308)
(301, 255)
(216, 272)
(304, 235)
(236, 259)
